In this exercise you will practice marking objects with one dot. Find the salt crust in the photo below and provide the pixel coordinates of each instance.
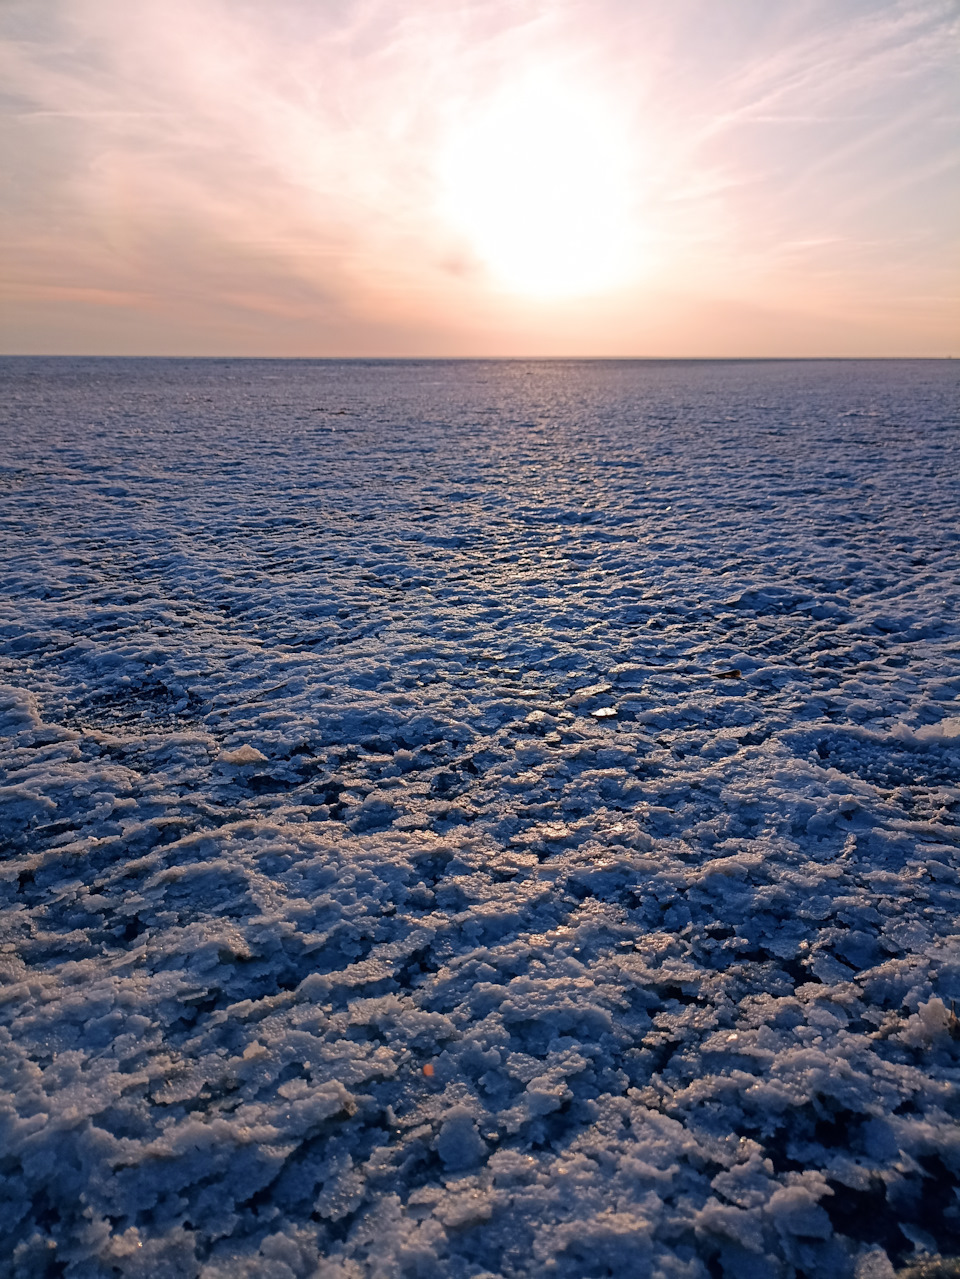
(305, 789)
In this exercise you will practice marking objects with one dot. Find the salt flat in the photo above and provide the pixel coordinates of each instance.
(479, 819)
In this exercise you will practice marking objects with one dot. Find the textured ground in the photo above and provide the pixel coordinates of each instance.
(475, 820)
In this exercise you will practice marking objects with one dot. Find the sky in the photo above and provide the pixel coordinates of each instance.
(480, 177)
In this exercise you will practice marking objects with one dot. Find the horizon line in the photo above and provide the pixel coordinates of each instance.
(481, 359)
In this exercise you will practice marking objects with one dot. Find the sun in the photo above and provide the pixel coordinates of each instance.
(539, 182)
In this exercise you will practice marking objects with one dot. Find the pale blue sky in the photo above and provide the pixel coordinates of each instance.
(600, 178)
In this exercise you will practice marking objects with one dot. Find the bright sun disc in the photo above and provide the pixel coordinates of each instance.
(538, 182)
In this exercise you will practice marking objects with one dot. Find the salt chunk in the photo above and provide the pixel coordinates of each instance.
(742, 1225)
(928, 1025)
(459, 1211)
(585, 694)
(459, 1144)
(874, 1264)
(18, 710)
(628, 673)
(795, 1209)
(947, 728)
(245, 754)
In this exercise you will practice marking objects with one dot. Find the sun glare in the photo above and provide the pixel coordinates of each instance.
(539, 183)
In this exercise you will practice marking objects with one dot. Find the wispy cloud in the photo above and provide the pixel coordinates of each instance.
(240, 176)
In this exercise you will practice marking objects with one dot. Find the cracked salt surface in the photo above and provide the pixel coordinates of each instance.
(479, 819)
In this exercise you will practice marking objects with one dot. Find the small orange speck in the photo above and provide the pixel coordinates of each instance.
(428, 1069)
